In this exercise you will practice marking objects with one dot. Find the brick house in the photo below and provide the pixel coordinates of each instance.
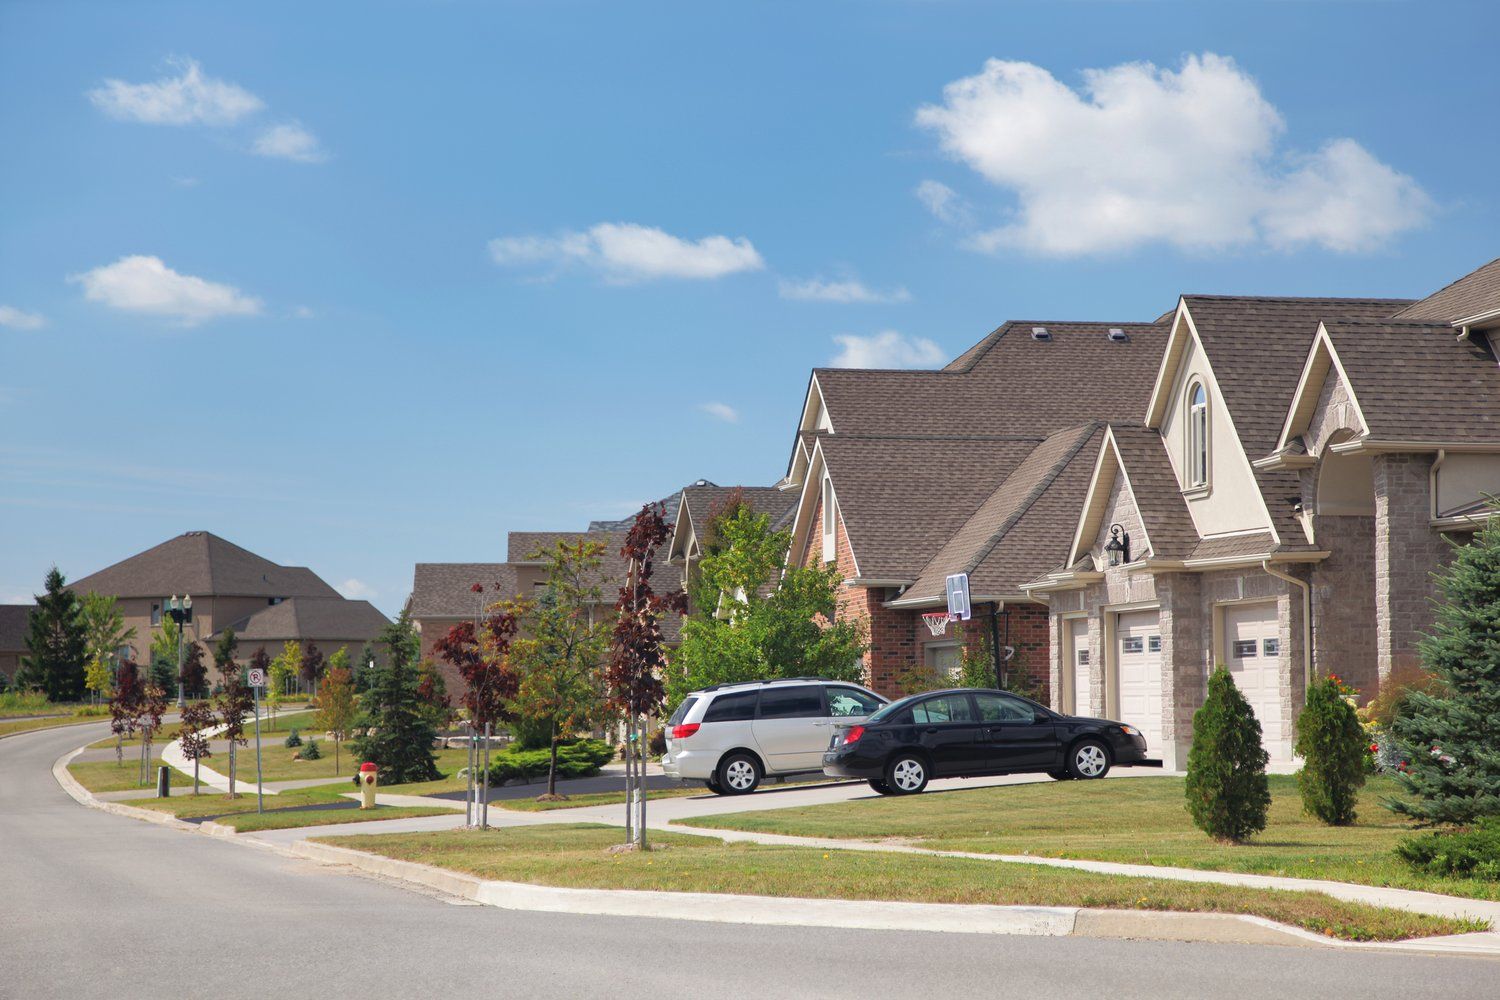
(264, 602)
(903, 477)
(1278, 506)
(15, 623)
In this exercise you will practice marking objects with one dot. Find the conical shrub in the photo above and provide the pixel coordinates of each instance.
(1332, 746)
(1227, 791)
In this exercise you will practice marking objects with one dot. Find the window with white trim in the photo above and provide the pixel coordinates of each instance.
(1197, 435)
(830, 521)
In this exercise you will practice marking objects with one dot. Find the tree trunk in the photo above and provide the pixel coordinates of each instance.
(231, 768)
(195, 775)
(335, 756)
(552, 767)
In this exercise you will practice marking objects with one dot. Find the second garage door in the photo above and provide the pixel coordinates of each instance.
(1078, 636)
(1138, 642)
(1252, 651)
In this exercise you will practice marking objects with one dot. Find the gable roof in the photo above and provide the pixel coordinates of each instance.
(1153, 484)
(446, 590)
(312, 619)
(669, 506)
(15, 623)
(1016, 532)
(1475, 294)
(199, 562)
(700, 503)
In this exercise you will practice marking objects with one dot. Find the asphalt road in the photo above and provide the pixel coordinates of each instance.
(95, 905)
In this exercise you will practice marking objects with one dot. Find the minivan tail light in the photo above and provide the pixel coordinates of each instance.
(684, 731)
(853, 735)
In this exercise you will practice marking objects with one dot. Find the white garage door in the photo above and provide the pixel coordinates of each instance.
(1252, 651)
(1078, 646)
(1138, 639)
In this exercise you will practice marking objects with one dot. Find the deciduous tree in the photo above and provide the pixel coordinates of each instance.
(481, 655)
(197, 719)
(336, 703)
(125, 707)
(235, 700)
(194, 674)
(288, 664)
(104, 634)
(312, 668)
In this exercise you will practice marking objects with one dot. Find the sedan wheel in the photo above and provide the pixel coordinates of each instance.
(739, 774)
(906, 775)
(1089, 759)
(880, 786)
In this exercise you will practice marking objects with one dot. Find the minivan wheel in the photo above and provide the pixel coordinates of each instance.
(712, 784)
(739, 774)
(1088, 760)
(906, 774)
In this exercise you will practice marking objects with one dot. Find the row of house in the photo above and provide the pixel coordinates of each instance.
(265, 603)
(1263, 482)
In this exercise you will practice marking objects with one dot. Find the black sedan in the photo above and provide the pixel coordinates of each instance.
(973, 732)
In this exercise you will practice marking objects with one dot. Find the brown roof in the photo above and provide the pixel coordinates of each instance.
(199, 562)
(1475, 293)
(312, 619)
(446, 590)
(1022, 528)
(1257, 346)
(902, 497)
(15, 624)
(1158, 498)
(1419, 382)
(1233, 545)
(669, 505)
(703, 501)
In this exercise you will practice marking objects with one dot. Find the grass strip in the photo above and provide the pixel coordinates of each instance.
(589, 799)
(575, 855)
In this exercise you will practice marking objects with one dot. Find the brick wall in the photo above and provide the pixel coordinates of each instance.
(1344, 618)
(1407, 552)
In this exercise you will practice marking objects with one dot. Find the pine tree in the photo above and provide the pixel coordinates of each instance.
(398, 735)
(1331, 743)
(56, 646)
(1454, 732)
(1227, 791)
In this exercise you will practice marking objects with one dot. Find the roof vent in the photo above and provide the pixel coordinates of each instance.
(1040, 333)
(1118, 336)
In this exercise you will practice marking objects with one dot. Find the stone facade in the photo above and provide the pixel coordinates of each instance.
(1407, 552)
(1344, 630)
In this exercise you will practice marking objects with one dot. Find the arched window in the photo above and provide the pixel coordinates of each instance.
(1197, 435)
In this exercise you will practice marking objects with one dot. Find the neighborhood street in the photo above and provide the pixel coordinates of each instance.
(102, 906)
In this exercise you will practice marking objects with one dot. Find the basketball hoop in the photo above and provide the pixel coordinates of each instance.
(937, 621)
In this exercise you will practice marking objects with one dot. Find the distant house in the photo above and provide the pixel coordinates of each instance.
(264, 602)
(700, 503)
(15, 621)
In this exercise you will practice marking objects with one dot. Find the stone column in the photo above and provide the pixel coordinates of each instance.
(1182, 659)
(1407, 552)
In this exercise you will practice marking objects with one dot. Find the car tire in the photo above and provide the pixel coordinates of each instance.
(1087, 760)
(712, 784)
(880, 786)
(1063, 775)
(739, 774)
(907, 774)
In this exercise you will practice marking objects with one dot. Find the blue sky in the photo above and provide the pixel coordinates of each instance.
(358, 285)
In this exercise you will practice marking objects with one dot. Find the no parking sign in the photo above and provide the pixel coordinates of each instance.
(257, 677)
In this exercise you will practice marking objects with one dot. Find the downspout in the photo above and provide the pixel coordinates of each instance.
(1307, 670)
(1432, 480)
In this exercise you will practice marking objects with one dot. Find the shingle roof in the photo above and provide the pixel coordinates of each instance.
(445, 590)
(15, 623)
(1475, 293)
(1419, 382)
(1257, 345)
(200, 562)
(704, 501)
(1022, 528)
(313, 619)
(902, 497)
(669, 511)
(1233, 545)
(1158, 498)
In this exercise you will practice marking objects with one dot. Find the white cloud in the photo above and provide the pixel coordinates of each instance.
(721, 411)
(18, 319)
(847, 290)
(626, 252)
(887, 349)
(187, 99)
(356, 590)
(1144, 155)
(289, 141)
(143, 284)
(303, 312)
(944, 202)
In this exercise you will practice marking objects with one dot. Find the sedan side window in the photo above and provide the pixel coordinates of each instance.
(801, 702)
(1003, 708)
(943, 708)
(844, 702)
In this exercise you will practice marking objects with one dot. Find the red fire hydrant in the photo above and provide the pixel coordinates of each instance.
(367, 785)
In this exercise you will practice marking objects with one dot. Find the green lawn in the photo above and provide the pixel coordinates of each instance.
(240, 813)
(166, 734)
(1135, 820)
(575, 855)
(589, 799)
(108, 776)
(27, 725)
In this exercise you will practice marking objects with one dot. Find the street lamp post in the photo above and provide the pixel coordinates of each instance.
(181, 611)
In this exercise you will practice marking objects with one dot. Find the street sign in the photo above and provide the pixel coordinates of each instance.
(958, 595)
(257, 677)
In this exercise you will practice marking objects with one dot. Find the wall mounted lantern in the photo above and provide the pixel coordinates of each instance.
(1118, 545)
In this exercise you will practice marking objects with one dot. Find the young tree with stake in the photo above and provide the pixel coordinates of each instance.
(336, 704)
(197, 719)
(194, 674)
(104, 634)
(288, 664)
(234, 701)
(125, 707)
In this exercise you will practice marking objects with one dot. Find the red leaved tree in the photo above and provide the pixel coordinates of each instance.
(153, 706)
(194, 673)
(125, 707)
(197, 719)
(312, 668)
(634, 677)
(480, 653)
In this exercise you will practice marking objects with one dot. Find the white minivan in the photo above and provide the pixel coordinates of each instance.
(730, 736)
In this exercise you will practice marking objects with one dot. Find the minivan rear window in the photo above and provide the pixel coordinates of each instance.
(682, 711)
(736, 707)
